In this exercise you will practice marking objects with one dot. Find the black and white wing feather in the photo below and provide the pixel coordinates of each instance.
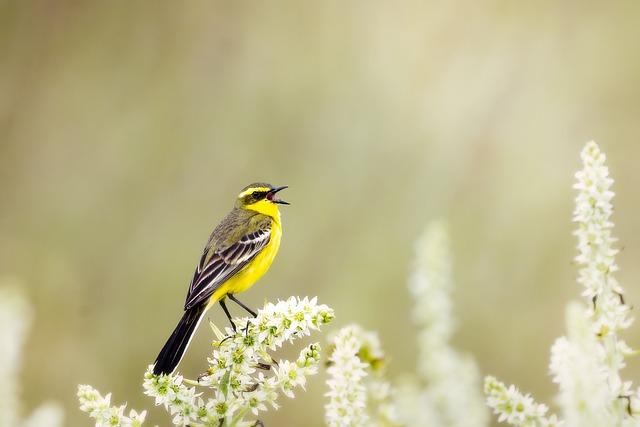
(217, 267)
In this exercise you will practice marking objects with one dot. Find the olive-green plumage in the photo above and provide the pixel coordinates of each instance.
(239, 251)
(238, 223)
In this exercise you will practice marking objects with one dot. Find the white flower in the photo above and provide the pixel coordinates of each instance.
(347, 394)
(444, 372)
(100, 409)
(586, 363)
(236, 379)
(576, 368)
(596, 251)
(515, 408)
(358, 393)
(593, 354)
(240, 364)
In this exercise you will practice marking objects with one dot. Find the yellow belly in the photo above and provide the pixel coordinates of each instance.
(249, 275)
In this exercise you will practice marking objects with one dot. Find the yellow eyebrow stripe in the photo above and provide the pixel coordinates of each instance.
(251, 190)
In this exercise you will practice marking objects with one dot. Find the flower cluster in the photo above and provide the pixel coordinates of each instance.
(575, 366)
(586, 363)
(15, 318)
(240, 360)
(514, 408)
(592, 213)
(347, 393)
(100, 409)
(356, 381)
(596, 257)
(230, 404)
(447, 384)
(243, 379)
(444, 372)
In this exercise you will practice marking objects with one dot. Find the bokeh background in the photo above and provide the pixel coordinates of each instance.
(126, 129)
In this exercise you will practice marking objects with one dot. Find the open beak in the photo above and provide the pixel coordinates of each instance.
(274, 199)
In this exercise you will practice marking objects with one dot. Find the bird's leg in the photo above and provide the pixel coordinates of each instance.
(226, 311)
(234, 299)
(253, 313)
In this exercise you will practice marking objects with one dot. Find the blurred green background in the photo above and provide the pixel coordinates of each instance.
(126, 130)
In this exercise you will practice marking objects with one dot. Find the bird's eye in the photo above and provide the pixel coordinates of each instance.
(259, 195)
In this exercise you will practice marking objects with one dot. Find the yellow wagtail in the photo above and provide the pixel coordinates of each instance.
(239, 251)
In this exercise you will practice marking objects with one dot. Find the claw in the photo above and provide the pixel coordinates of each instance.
(246, 328)
(228, 337)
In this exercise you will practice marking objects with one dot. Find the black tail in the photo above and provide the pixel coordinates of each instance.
(177, 344)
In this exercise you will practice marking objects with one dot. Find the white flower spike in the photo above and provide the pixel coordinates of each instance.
(347, 393)
(100, 409)
(444, 372)
(515, 408)
(586, 363)
(242, 380)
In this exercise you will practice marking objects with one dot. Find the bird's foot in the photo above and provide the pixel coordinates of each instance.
(203, 376)
(246, 328)
(228, 337)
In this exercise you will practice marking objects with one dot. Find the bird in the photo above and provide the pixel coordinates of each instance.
(238, 253)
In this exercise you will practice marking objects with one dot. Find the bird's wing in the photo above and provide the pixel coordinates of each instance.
(215, 268)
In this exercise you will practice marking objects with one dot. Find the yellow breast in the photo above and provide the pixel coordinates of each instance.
(249, 275)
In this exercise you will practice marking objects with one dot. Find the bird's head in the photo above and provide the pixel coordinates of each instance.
(261, 197)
